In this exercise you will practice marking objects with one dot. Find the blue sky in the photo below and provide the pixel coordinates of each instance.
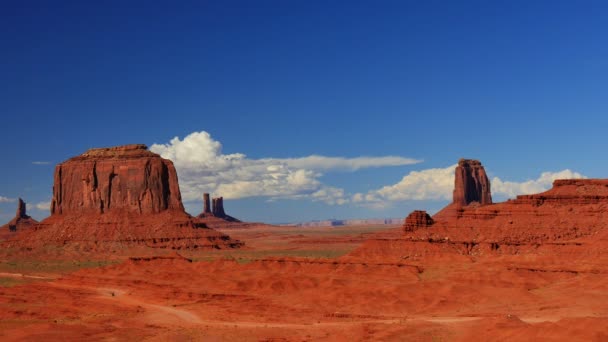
(520, 85)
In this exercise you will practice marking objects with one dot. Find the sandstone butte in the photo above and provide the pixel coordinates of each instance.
(215, 216)
(571, 215)
(120, 195)
(19, 223)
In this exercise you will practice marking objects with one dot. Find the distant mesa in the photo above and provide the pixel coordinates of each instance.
(20, 222)
(347, 222)
(121, 195)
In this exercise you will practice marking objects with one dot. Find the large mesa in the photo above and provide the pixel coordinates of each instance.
(127, 178)
(124, 195)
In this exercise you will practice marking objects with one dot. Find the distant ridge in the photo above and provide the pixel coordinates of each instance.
(351, 222)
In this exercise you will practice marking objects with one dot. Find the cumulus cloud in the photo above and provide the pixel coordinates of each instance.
(41, 162)
(6, 199)
(429, 184)
(43, 205)
(438, 184)
(202, 167)
(540, 184)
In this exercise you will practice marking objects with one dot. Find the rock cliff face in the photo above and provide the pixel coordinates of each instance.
(417, 219)
(471, 183)
(129, 178)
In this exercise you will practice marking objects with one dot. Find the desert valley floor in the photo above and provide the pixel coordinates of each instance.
(306, 284)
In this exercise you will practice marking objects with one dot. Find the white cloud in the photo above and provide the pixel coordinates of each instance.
(43, 205)
(41, 162)
(533, 186)
(202, 167)
(315, 162)
(429, 184)
(330, 195)
(438, 184)
(6, 199)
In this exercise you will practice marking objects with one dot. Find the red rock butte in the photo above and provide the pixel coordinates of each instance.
(120, 195)
(19, 223)
(471, 188)
(471, 183)
(128, 178)
(215, 215)
(573, 209)
(417, 219)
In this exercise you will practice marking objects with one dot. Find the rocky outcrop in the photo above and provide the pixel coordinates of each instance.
(571, 209)
(215, 216)
(218, 207)
(206, 204)
(21, 210)
(126, 178)
(120, 196)
(21, 220)
(471, 183)
(471, 187)
(417, 219)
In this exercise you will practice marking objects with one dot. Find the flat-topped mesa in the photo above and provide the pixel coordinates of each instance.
(471, 183)
(417, 219)
(122, 178)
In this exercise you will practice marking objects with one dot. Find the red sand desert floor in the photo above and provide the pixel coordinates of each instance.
(306, 284)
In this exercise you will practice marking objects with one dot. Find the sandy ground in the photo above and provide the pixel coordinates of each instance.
(306, 284)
